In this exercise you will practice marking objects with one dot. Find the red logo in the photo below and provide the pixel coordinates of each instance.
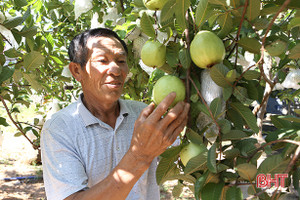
(263, 180)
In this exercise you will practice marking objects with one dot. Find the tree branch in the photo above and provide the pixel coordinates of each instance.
(272, 142)
(15, 123)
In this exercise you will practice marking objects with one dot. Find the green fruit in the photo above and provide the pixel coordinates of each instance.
(191, 150)
(155, 4)
(247, 171)
(165, 85)
(153, 54)
(207, 49)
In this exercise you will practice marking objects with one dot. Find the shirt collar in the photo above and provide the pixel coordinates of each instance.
(89, 119)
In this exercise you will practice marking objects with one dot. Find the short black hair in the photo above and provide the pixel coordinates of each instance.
(78, 51)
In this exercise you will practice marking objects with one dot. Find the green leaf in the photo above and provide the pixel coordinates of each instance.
(290, 118)
(3, 122)
(203, 12)
(185, 58)
(231, 76)
(251, 75)
(241, 94)
(200, 184)
(234, 135)
(212, 191)
(18, 134)
(177, 190)
(246, 114)
(234, 193)
(194, 137)
(172, 152)
(218, 75)
(261, 23)
(9, 24)
(172, 54)
(33, 60)
(211, 159)
(280, 123)
(235, 118)
(180, 11)
(226, 24)
(294, 23)
(246, 146)
(28, 32)
(273, 164)
(168, 11)
(295, 52)
(218, 2)
(225, 125)
(253, 9)
(296, 178)
(20, 3)
(235, 3)
(164, 168)
(227, 92)
(6, 74)
(147, 26)
(12, 53)
(250, 44)
(216, 107)
(33, 81)
(196, 163)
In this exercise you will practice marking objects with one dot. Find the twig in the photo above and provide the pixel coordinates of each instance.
(284, 5)
(272, 142)
(122, 5)
(203, 100)
(29, 125)
(288, 169)
(15, 123)
(239, 30)
(6, 39)
(188, 73)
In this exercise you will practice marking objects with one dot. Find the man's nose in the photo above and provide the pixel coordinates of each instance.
(114, 69)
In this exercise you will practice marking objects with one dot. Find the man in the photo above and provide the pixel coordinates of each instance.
(102, 147)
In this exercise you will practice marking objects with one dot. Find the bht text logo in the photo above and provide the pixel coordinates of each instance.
(263, 180)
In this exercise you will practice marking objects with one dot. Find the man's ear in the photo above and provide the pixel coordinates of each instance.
(76, 70)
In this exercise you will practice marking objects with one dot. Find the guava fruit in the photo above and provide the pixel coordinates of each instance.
(155, 4)
(189, 151)
(165, 85)
(153, 54)
(207, 49)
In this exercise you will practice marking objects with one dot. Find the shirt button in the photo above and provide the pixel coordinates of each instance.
(118, 149)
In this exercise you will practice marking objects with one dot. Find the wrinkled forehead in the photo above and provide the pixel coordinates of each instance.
(105, 44)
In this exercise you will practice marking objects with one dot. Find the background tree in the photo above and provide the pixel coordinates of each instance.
(228, 100)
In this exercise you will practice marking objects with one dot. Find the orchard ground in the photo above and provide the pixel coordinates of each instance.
(17, 160)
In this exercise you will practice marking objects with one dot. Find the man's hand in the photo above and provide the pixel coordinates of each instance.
(154, 133)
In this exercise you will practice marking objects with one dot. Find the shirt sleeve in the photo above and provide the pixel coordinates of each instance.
(63, 170)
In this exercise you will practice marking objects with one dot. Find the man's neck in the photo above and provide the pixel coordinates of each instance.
(107, 113)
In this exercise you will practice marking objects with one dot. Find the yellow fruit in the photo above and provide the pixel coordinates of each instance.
(153, 54)
(165, 85)
(207, 49)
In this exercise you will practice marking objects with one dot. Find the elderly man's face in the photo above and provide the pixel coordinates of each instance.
(106, 69)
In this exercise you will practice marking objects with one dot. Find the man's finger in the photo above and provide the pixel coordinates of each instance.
(147, 111)
(180, 120)
(173, 114)
(161, 109)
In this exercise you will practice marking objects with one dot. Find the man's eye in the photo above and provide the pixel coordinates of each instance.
(122, 61)
(102, 61)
